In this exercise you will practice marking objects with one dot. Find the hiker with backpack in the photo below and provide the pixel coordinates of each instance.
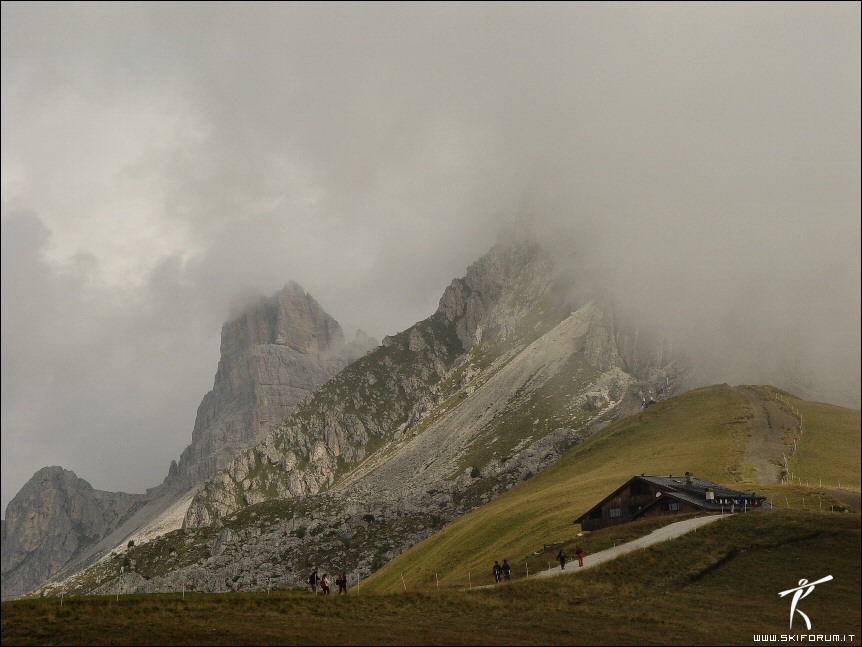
(507, 570)
(561, 557)
(579, 552)
(324, 584)
(341, 582)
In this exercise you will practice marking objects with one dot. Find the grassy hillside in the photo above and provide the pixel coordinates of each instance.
(702, 431)
(830, 445)
(718, 586)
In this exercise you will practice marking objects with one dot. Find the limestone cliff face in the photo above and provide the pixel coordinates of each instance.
(338, 426)
(501, 334)
(273, 356)
(507, 285)
(387, 390)
(51, 520)
(510, 372)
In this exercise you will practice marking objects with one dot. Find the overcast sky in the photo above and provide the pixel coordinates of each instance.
(159, 159)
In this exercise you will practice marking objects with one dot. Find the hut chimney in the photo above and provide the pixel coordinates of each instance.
(688, 477)
(710, 495)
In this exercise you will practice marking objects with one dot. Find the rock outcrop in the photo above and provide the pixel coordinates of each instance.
(54, 517)
(402, 421)
(274, 354)
(510, 372)
(386, 391)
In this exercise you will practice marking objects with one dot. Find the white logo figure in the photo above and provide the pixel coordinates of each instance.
(803, 590)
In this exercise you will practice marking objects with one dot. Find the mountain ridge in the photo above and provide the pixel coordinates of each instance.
(509, 373)
(508, 296)
(274, 353)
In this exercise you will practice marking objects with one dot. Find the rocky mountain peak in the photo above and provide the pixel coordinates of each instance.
(507, 324)
(275, 351)
(497, 292)
(291, 318)
(273, 354)
(43, 525)
(511, 370)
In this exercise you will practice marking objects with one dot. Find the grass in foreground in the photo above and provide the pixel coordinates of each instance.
(716, 586)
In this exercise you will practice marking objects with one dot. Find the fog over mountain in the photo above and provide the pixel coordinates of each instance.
(697, 163)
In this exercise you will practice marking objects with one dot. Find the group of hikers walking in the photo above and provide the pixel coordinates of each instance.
(562, 557)
(503, 572)
(314, 580)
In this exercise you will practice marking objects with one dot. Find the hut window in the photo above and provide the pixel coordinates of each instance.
(615, 512)
(673, 506)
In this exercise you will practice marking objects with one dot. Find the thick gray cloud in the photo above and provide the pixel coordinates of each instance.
(159, 159)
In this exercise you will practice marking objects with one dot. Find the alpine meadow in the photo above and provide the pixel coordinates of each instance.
(735, 567)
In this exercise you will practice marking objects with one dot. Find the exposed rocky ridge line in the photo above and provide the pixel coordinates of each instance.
(273, 355)
(385, 428)
(54, 517)
(499, 292)
(387, 390)
(432, 458)
(337, 424)
(498, 383)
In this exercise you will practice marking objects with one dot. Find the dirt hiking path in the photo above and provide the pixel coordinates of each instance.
(772, 429)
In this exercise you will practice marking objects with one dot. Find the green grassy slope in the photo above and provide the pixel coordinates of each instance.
(830, 445)
(702, 431)
(718, 586)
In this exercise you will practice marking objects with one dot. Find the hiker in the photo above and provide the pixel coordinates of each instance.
(498, 571)
(507, 570)
(313, 579)
(341, 582)
(561, 557)
(324, 585)
(579, 552)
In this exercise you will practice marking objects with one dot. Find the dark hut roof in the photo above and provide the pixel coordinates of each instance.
(695, 490)
(692, 490)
